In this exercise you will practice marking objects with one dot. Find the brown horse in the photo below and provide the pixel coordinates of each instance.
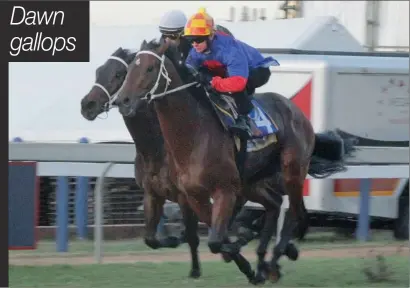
(203, 153)
(151, 163)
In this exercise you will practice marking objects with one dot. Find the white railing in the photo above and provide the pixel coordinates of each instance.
(116, 160)
(125, 153)
(353, 172)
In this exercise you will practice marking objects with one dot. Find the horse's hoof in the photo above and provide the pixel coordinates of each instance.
(274, 274)
(263, 269)
(215, 247)
(259, 279)
(231, 249)
(153, 243)
(171, 242)
(252, 277)
(226, 257)
(292, 252)
(195, 273)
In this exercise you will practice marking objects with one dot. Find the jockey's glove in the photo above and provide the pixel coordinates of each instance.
(204, 79)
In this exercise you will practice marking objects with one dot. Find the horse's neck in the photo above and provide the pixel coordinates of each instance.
(185, 124)
(146, 133)
(179, 110)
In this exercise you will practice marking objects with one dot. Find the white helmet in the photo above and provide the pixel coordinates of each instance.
(172, 22)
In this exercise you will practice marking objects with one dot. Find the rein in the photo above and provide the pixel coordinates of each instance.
(164, 73)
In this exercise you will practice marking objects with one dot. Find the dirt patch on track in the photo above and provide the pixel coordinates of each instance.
(185, 257)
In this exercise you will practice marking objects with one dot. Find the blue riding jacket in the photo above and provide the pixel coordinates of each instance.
(231, 60)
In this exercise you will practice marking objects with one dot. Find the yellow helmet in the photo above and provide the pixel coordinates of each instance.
(200, 24)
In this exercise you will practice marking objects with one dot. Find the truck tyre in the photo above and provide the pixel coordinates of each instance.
(401, 225)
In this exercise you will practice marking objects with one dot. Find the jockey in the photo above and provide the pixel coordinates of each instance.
(228, 65)
(171, 27)
(172, 24)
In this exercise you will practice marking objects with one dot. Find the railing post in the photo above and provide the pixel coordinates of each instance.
(99, 213)
(362, 231)
(81, 203)
(62, 214)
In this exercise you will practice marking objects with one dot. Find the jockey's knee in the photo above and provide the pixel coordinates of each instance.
(259, 77)
(243, 102)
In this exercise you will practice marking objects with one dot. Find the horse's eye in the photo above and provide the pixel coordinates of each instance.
(118, 75)
(150, 69)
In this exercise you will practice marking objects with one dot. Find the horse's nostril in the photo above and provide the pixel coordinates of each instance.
(126, 101)
(91, 105)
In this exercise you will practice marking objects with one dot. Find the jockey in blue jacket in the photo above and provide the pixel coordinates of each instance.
(171, 27)
(231, 66)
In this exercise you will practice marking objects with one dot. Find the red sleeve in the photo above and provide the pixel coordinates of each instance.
(231, 84)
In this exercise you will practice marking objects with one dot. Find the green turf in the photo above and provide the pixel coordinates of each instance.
(303, 273)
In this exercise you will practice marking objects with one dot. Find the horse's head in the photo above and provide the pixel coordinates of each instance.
(109, 78)
(147, 77)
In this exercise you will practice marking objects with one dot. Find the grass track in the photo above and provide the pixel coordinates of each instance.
(306, 272)
(303, 273)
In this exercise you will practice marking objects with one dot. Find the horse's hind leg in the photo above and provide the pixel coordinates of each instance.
(191, 235)
(294, 171)
(265, 237)
(266, 195)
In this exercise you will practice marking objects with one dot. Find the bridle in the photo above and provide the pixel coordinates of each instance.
(164, 73)
(111, 98)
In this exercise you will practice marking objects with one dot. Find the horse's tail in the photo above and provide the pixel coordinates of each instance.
(329, 154)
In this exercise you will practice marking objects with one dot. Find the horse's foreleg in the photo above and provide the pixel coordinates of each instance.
(245, 233)
(191, 229)
(244, 266)
(222, 208)
(153, 209)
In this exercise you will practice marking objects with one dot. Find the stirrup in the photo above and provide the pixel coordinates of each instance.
(242, 131)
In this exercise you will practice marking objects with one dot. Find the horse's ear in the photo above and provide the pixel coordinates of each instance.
(163, 46)
(117, 52)
(143, 44)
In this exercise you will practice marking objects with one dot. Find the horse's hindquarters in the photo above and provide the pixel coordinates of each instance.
(259, 160)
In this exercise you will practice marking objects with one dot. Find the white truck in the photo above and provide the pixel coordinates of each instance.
(365, 95)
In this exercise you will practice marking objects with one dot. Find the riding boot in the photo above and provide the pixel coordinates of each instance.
(242, 125)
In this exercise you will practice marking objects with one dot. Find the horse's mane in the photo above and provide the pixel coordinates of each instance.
(173, 54)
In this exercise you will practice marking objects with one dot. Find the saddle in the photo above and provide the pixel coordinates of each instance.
(226, 109)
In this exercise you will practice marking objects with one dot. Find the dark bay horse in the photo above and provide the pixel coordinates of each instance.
(202, 153)
(151, 163)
